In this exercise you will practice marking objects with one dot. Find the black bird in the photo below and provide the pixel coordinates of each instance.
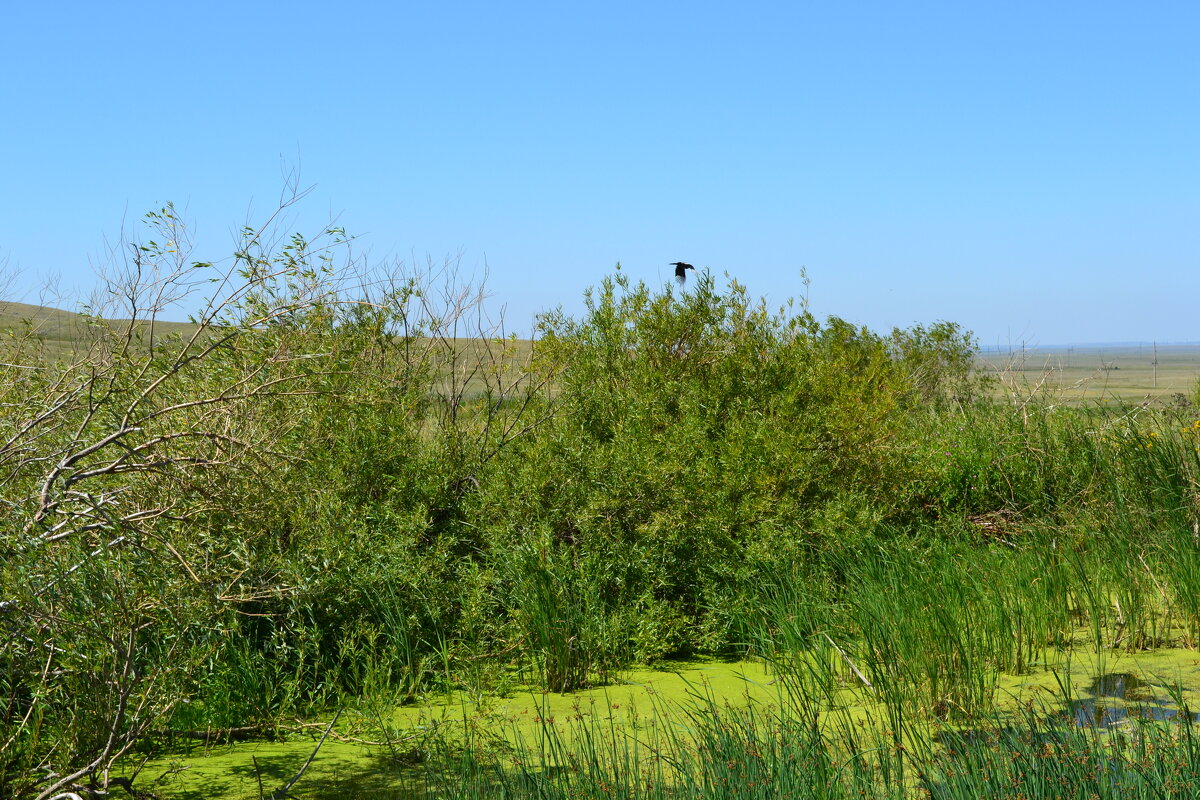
(680, 274)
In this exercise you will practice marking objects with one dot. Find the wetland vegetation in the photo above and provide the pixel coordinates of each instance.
(859, 568)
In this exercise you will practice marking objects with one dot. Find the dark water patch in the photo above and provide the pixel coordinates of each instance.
(1120, 696)
(1124, 685)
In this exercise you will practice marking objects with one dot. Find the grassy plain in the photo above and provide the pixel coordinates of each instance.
(1090, 373)
(64, 335)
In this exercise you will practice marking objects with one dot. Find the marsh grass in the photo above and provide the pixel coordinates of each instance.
(698, 750)
(559, 622)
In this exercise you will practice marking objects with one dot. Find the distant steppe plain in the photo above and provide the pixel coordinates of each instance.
(1081, 373)
(1127, 372)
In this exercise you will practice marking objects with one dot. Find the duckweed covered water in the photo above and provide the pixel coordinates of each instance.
(370, 767)
(357, 762)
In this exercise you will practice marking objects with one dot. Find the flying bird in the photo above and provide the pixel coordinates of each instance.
(680, 271)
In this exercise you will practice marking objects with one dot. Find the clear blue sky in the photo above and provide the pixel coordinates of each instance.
(1029, 169)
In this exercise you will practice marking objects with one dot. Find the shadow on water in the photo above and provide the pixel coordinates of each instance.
(372, 775)
(1118, 696)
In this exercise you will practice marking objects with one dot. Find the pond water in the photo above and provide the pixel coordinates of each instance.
(1107, 691)
(350, 768)
(1114, 697)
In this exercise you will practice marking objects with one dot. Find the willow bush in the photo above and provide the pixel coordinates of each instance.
(699, 439)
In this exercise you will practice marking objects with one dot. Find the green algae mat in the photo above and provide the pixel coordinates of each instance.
(366, 756)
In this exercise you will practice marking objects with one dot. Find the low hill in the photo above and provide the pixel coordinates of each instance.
(62, 333)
